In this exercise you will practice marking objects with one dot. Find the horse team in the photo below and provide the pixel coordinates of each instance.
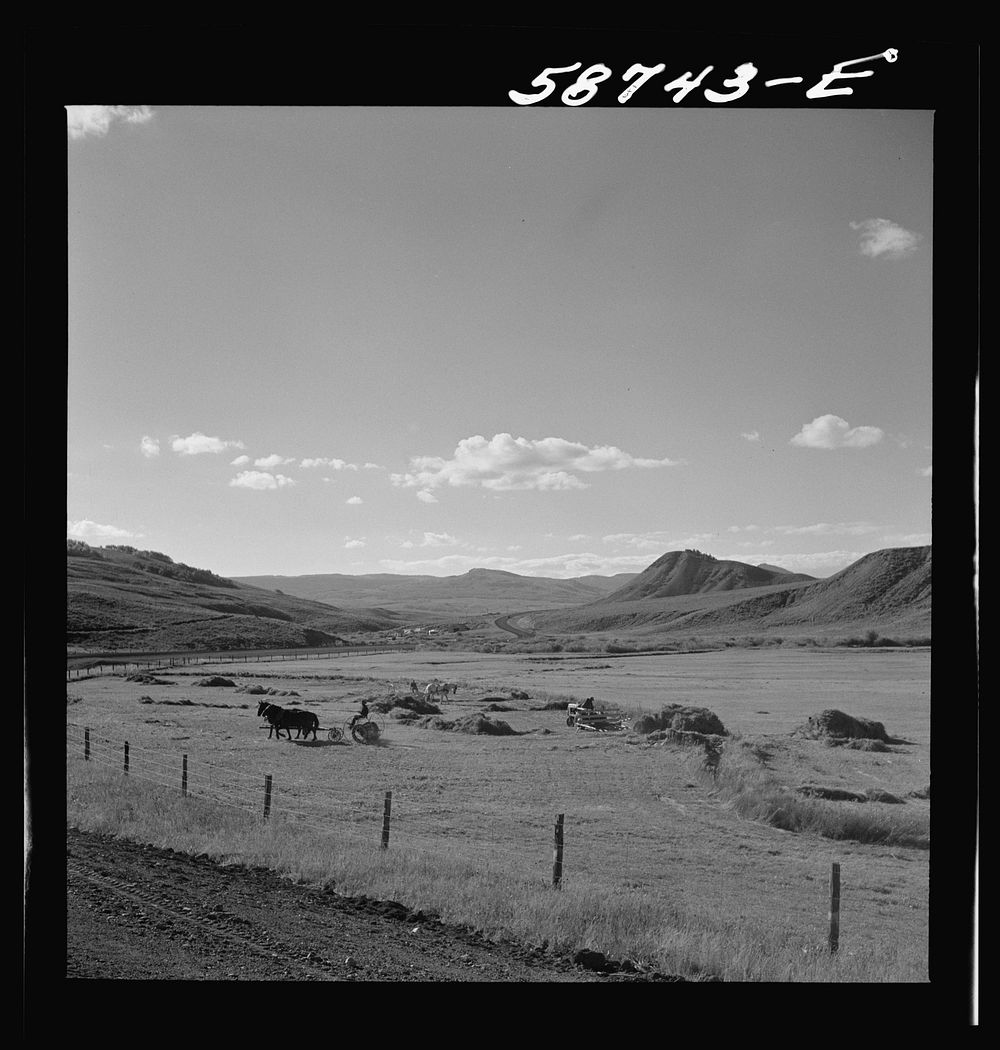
(280, 718)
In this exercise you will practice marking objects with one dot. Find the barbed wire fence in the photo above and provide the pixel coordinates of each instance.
(486, 835)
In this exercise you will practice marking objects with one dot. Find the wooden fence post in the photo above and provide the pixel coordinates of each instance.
(386, 814)
(267, 796)
(86, 744)
(834, 908)
(184, 776)
(557, 853)
(126, 756)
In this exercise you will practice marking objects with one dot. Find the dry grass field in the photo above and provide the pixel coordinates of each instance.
(659, 864)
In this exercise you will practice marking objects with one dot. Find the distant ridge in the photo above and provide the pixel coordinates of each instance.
(691, 572)
(473, 592)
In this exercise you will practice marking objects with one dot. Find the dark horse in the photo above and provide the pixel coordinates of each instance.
(278, 718)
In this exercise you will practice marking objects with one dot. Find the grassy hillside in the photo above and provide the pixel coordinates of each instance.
(691, 572)
(121, 598)
(888, 591)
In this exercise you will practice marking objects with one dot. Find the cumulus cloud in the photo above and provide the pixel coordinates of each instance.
(351, 544)
(327, 461)
(96, 120)
(87, 529)
(661, 541)
(354, 500)
(432, 539)
(272, 461)
(751, 435)
(149, 447)
(240, 461)
(260, 480)
(880, 237)
(425, 496)
(197, 444)
(504, 463)
(823, 528)
(560, 566)
(831, 431)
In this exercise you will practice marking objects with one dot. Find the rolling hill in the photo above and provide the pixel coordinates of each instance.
(691, 572)
(118, 598)
(888, 591)
(472, 593)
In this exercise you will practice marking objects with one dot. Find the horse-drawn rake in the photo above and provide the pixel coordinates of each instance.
(595, 721)
(364, 732)
(279, 719)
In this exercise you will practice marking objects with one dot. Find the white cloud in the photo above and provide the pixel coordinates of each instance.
(260, 480)
(657, 541)
(426, 496)
(432, 539)
(240, 461)
(327, 461)
(822, 528)
(272, 461)
(926, 472)
(505, 463)
(577, 536)
(198, 444)
(354, 500)
(96, 120)
(149, 447)
(882, 237)
(831, 431)
(86, 529)
(351, 544)
(751, 435)
(908, 539)
(561, 566)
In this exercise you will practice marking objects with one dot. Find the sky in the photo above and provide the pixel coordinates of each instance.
(555, 341)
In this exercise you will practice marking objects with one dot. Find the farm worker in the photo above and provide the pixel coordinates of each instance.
(362, 714)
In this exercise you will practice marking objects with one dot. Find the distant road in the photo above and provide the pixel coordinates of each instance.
(503, 622)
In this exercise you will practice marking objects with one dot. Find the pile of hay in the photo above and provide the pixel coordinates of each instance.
(217, 680)
(681, 719)
(835, 725)
(262, 690)
(397, 703)
(477, 724)
(147, 679)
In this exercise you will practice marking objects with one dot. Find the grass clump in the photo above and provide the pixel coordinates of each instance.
(743, 781)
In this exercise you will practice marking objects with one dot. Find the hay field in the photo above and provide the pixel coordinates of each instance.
(644, 824)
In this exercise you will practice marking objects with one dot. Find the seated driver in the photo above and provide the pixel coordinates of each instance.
(361, 715)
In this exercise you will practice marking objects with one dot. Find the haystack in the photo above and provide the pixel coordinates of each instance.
(837, 725)
(476, 724)
(405, 702)
(681, 719)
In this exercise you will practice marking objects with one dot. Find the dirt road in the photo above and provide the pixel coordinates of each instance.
(135, 911)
